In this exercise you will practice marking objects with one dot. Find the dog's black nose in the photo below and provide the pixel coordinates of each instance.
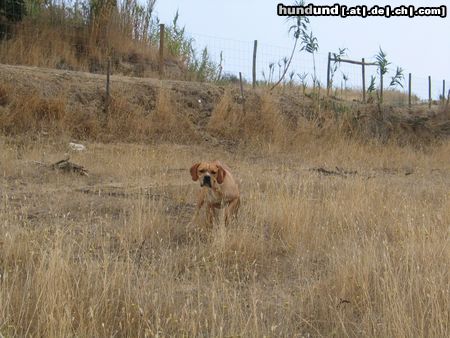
(207, 181)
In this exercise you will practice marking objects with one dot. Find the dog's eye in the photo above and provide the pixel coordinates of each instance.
(213, 172)
(202, 171)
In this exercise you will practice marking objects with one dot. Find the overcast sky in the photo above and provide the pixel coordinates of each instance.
(420, 45)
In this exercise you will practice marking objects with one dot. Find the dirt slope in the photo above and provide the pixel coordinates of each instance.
(89, 89)
(85, 92)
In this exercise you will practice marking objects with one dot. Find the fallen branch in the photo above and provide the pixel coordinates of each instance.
(67, 166)
(339, 172)
(64, 165)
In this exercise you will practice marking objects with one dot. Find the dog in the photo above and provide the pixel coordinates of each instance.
(218, 189)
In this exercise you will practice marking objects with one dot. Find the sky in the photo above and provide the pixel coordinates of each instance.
(420, 45)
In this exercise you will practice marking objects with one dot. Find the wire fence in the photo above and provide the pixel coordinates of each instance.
(132, 50)
(236, 56)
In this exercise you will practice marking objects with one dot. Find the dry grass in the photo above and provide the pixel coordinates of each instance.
(49, 46)
(393, 97)
(149, 110)
(32, 112)
(362, 251)
(60, 37)
(258, 121)
(115, 253)
(25, 112)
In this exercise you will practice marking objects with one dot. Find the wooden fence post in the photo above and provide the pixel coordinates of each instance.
(409, 90)
(429, 91)
(242, 92)
(255, 47)
(107, 97)
(161, 51)
(363, 66)
(328, 74)
(443, 89)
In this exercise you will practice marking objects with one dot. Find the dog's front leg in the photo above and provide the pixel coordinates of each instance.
(231, 210)
(211, 215)
(200, 201)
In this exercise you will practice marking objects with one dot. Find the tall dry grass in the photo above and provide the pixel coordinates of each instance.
(83, 35)
(272, 120)
(258, 121)
(116, 253)
(393, 97)
(361, 252)
(25, 113)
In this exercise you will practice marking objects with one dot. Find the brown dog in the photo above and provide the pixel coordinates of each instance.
(219, 189)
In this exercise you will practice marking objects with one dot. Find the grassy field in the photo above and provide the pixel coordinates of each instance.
(333, 239)
(343, 229)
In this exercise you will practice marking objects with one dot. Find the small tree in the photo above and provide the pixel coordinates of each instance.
(269, 78)
(311, 46)
(371, 87)
(203, 68)
(299, 27)
(383, 63)
(291, 78)
(302, 78)
(220, 67)
(397, 79)
(177, 42)
(345, 78)
(337, 57)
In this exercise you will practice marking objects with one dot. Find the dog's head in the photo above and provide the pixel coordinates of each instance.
(209, 173)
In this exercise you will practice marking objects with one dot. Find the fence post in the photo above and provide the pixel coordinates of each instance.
(107, 98)
(328, 74)
(255, 47)
(363, 66)
(242, 92)
(429, 91)
(409, 90)
(443, 89)
(161, 51)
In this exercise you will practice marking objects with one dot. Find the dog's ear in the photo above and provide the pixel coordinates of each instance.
(194, 171)
(221, 173)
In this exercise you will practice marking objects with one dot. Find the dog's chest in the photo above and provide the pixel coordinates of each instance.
(214, 196)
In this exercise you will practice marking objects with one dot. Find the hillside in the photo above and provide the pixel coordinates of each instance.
(145, 109)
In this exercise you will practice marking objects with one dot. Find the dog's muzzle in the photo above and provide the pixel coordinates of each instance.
(206, 181)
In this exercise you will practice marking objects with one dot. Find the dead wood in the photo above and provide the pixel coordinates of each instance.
(67, 166)
(338, 172)
(64, 165)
